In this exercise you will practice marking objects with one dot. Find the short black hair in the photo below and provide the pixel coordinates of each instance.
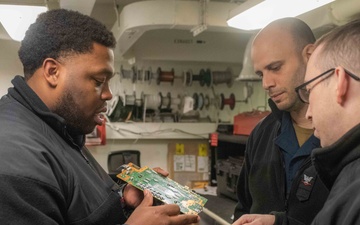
(61, 32)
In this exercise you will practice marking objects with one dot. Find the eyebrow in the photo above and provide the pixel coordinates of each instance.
(108, 73)
(112, 75)
(276, 63)
(270, 65)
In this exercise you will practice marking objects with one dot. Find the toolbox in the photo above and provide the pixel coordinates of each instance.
(245, 122)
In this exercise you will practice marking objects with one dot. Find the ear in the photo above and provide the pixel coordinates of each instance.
(342, 85)
(51, 69)
(307, 51)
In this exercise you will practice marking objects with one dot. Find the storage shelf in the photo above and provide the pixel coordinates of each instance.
(159, 130)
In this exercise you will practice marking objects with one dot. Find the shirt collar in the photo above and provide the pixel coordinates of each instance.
(287, 139)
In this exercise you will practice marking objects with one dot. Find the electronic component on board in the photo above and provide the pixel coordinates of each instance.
(163, 188)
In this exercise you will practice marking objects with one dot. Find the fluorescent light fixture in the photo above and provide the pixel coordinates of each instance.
(16, 19)
(256, 14)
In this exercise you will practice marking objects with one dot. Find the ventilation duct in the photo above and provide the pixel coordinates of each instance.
(247, 73)
(139, 17)
(82, 6)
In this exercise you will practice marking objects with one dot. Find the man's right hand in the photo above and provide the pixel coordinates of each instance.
(255, 219)
(168, 214)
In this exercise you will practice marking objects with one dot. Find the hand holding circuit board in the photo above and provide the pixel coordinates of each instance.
(164, 189)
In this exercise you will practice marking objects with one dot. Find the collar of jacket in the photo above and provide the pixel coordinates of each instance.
(28, 98)
(275, 110)
(329, 161)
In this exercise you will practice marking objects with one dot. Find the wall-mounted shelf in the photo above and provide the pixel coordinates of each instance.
(159, 130)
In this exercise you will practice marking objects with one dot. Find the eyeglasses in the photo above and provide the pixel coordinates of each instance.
(304, 93)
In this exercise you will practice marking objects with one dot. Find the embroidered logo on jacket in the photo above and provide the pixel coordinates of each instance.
(307, 180)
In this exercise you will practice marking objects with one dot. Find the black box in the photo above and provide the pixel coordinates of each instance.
(227, 173)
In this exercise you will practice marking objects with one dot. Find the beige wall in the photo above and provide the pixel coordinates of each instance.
(9, 64)
(154, 151)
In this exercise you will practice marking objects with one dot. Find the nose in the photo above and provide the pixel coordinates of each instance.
(106, 93)
(267, 81)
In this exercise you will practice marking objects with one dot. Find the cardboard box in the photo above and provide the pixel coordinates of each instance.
(197, 184)
(188, 161)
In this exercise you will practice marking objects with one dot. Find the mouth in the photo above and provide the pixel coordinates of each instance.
(276, 96)
(99, 117)
(103, 109)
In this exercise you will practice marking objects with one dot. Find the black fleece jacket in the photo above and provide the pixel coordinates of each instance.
(261, 187)
(338, 166)
(47, 176)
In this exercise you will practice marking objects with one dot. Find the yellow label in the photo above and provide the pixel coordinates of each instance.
(180, 149)
(203, 150)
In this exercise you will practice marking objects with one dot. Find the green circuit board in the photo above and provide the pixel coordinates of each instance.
(164, 189)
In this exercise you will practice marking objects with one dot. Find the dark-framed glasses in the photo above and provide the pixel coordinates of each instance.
(304, 93)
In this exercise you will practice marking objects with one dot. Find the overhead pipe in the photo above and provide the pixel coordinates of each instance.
(336, 13)
(343, 11)
(82, 6)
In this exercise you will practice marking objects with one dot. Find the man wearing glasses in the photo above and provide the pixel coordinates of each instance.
(334, 106)
(278, 184)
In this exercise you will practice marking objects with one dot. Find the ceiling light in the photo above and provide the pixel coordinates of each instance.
(247, 72)
(16, 19)
(256, 14)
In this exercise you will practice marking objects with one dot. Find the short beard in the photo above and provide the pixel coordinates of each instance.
(67, 108)
(300, 72)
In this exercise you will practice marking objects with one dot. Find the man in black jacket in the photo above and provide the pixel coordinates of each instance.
(278, 184)
(331, 88)
(47, 175)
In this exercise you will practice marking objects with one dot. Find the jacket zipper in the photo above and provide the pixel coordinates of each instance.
(83, 155)
(78, 147)
(283, 177)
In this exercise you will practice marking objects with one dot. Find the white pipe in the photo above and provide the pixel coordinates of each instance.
(343, 11)
(217, 218)
(83, 6)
